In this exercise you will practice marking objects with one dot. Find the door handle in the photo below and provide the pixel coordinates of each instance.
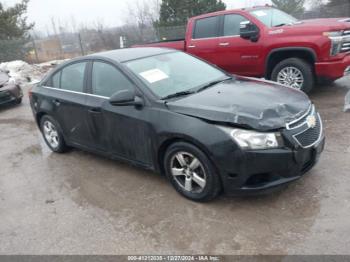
(95, 110)
(56, 102)
(224, 44)
(191, 46)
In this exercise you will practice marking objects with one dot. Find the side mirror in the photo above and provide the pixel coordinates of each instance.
(126, 98)
(249, 31)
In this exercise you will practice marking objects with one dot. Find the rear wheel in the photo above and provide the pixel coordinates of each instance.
(296, 73)
(191, 172)
(52, 134)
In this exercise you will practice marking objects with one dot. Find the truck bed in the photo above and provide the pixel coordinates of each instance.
(178, 44)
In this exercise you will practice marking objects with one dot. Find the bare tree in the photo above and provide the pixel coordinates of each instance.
(141, 17)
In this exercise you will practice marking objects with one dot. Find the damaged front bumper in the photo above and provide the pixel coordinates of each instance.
(263, 171)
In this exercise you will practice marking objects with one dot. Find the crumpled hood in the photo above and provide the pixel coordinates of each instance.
(245, 102)
(4, 78)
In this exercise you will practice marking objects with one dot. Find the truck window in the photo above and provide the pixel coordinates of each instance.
(232, 24)
(273, 17)
(206, 27)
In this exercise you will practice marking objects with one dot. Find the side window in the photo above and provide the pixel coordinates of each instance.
(72, 77)
(56, 80)
(107, 80)
(206, 27)
(232, 24)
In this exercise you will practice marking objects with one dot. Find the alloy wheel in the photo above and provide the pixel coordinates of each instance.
(51, 134)
(188, 172)
(291, 76)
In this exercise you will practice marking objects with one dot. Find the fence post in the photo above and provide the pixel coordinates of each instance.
(35, 51)
(81, 45)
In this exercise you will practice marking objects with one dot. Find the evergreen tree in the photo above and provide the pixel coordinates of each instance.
(13, 21)
(13, 31)
(177, 12)
(338, 8)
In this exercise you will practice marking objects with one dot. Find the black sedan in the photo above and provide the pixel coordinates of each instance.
(164, 110)
(9, 91)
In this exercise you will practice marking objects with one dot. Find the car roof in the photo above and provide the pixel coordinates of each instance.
(127, 54)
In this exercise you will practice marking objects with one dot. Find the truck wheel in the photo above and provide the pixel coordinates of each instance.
(325, 82)
(296, 73)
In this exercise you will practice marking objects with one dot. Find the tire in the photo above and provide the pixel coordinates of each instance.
(200, 192)
(57, 143)
(325, 82)
(18, 101)
(300, 65)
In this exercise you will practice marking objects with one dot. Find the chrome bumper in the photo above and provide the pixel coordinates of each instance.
(347, 71)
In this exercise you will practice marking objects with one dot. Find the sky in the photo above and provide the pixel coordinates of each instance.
(110, 12)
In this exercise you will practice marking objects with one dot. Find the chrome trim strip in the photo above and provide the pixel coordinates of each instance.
(319, 138)
(209, 38)
(311, 108)
(74, 92)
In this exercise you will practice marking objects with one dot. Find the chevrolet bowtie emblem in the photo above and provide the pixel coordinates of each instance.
(311, 121)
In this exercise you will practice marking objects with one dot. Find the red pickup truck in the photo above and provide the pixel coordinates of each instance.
(266, 42)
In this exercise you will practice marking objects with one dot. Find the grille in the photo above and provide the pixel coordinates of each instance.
(311, 135)
(302, 131)
(302, 120)
(346, 42)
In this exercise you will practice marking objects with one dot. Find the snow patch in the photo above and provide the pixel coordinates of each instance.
(347, 102)
(23, 73)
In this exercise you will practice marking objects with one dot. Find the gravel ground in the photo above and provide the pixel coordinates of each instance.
(80, 203)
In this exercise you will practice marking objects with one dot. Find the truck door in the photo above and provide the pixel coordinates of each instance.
(203, 41)
(237, 55)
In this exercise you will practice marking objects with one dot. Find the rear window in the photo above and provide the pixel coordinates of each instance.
(72, 77)
(56, 80)
(206, 27)
(3, 78)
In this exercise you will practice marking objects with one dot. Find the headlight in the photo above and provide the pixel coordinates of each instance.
(336, 40)
(247, 139)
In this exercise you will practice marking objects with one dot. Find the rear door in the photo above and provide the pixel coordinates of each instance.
(204, 39)
(237, 55)
(66, 93)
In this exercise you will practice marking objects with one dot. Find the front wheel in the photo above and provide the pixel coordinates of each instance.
(191, 172)
(18, 101)
(295, 73)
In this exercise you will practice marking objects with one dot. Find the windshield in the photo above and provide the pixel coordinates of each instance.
(173, 73)
(272, 17)
(3, 78)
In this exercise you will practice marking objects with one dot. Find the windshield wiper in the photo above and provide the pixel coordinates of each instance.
(212, 84)
(178, 94)
(281, 25)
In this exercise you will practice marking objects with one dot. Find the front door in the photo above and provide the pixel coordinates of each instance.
(237, 55)
(119, 130)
